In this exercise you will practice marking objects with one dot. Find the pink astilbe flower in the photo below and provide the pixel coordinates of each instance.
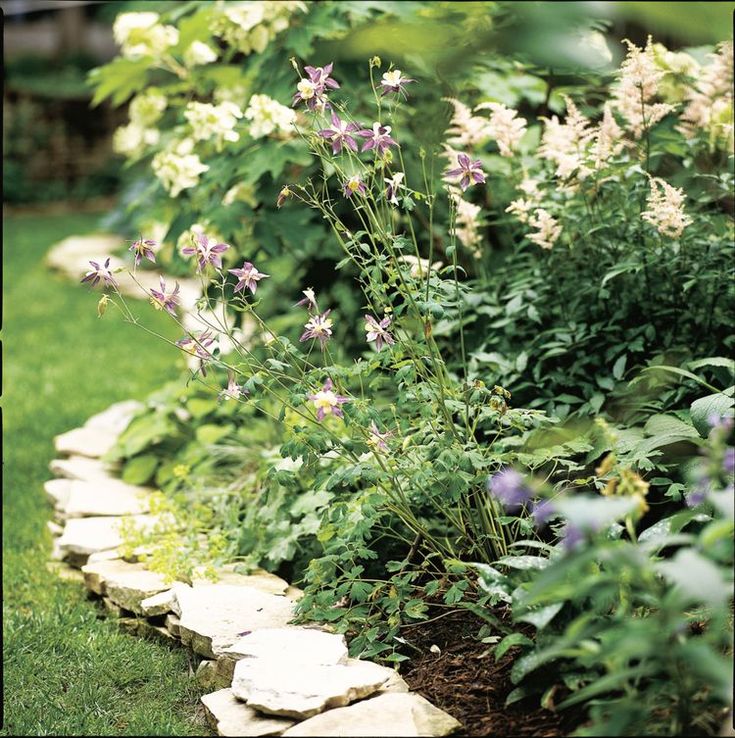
(378, 332)
(328, 402)
(318, 327)
(666, 209)
(378, 138)
(547, 228)
(470, 172)
(339, 134)
(308, 301)
(143, 248)
(248, 276)
(394, 81)
(506, 127)
(206, 252)
(163, 300)
(378, 441)
(352, 185)
(100, 272)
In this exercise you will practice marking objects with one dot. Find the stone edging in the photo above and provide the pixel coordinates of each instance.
(269, 677)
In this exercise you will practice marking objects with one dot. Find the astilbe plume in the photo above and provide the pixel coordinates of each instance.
(666, 209)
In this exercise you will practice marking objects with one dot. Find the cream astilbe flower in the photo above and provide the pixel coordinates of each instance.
(140, 34)
(547, 228)
(505, 127)
(465, 129)
(199, 53)
(177, 167)
(608, 139)
(666, 209)
(524, 206)
(565, 144)
(213, 121)
(268, 116)
(637, 88)
(467, 221)
(710, 102)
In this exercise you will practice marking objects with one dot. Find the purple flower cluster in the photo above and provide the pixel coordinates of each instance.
(510, 489)
(163, 300)
(377, 138)
(311, 89)
(206, 252)
(248, 276)
(328, 402)
(143, 248)
(340, 134)
(378, 332)
(470, 172)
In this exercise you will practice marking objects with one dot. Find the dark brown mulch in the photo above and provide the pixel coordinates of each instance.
(471, 686)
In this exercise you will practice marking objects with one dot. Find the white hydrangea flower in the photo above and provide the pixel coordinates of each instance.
(147, 108)
(141, 34)
(133, 139)
(267, 116)
(198, 53)
(177, 167)
(213, 121)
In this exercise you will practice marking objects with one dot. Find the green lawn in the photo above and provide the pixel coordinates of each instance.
(67, 671)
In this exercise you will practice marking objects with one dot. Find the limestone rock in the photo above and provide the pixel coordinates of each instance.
(159, 604)
(105, 497)
(206, 673)
(127, 585)
(172, 625)
(54, 528)
(85, 536)
(294, 593)
(89, 442)
(72, 255)
(406, 714)
(306, 689)
(77, 467)
(57, 491)
(214, 616)
(155, 633)
(116, 418)
(103, 556)
(229, 717)
(111, 608)
(257, 579)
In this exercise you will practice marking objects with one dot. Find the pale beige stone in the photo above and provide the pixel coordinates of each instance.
(229, 717)
(159, 604)
(104, 556)
(57, 491)
(54, 528)
(110, 497)
(85, 536)
(115, 418)
(257, 579)
(78, 467)
(156, 633)
(293, 644)
(294, 593)
(127, 585)
(172, 625)
(111, 608)
(214, 616)
(406, 714)
(89, 442)
(304, 690)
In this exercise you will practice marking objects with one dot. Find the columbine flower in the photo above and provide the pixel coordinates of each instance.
(378, 138)
(100, 272)
(197, 346)
(394, 184)
(248, 276)
(377, 440)
(308, 301)
(310, 90)
(165, 301)
(394, 81)
(378, 332)
(509, 488)
(666, 209)
(327, 402)
(206, 252)
(728, 461)
(469, 171)
(233, 391)
(143, 248)
(339, 134)
(574, 536)
(352, 185)
(321, 76)
(699, 494)
(318, 327)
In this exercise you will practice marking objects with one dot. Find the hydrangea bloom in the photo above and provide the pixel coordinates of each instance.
(206, 251)
(328, 402)
(378, 138)
(318, 327)
(216, 122)
(378, 332)
(133, 139)
(100, 272)
(140, 34)
(198, 53)
(470, 172)
(177, 167)
(143, 248)
(168, 301)
(394, 81)
(509, 487)
(339, 134)
(248, 276)
(268, 116)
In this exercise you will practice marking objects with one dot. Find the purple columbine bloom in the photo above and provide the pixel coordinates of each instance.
(248, 276)
(206, 252)
(143, 248)
(328, 402)
(322, 76)
(393, 184)
(165, 301)
(470, 171)
(378, 332)
(699, 494)
(542, 512)
(198, 346)
(352, 185)
(233, 391)
(509, 488)
(311, 89)
(394, 81)
(100, 272)
(339, 134)
(308, 301)
(378, 138)
(318, 327)
(377, 439)
(728, 462)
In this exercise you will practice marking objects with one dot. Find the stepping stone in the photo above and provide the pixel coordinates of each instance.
(57, 491)
(258, 579)
(172, 625)
(72, 255)
(156, 633)
(159, 604)
(85, 536)
(105, 497)
(304, 690)
(53, 528)
(116, 418)
(229, 717)
(294, 593)
(78, 467)
(214, 616)
(388, 715)
(111, 608)
(103, 556)
(206, 672)
(88, 442)
(127, 585)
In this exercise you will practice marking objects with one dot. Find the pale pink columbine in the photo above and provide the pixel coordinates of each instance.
(100, 272)
(377, 440)
(143, 248)
(308, 301)
(378, 332)
(233, 391)
(318, 327)
(339, 134)
(311, 89)
(248, 276)
(394, 81)
(393, 183)
(206, 252)
(470, 171)
(198, 346)
(378, 138)
(163, 300)
(328, 402)
(352, 185)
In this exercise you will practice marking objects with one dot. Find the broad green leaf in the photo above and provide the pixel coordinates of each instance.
(514, 639)
(701, 410)
(140, 469)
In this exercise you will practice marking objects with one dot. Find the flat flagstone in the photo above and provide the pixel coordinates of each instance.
(127, 585)
(257, 579)
(78, 467)
(88, 442)
(53, 528)
(406, 714)
(172, 625)
(85, 536)
(116, 418)
(214, 616)
(72, 255)
(230, 717)
(159, 604)
(304, 690)
(105, 497)
(57, 491)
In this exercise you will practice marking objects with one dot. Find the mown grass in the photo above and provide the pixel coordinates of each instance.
(66, 670)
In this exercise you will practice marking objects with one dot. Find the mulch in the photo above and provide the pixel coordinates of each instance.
(466, 681)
